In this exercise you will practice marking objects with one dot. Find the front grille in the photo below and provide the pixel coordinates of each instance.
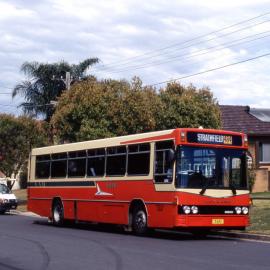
(12, 201)
(212, 210)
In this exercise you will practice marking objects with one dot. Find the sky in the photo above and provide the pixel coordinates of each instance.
(156, 40)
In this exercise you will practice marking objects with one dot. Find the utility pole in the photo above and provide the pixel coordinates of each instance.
(67, 81)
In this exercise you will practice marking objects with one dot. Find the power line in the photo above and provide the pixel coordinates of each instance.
(27, 105)
(210, 70)
(187, 41)
(6, 105)
(203, 52)
(199, 43)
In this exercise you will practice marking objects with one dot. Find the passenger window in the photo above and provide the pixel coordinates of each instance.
(164, 162)
(43, 166)
(116, 161)
(138, 159)
(96, 162)
(59, 165)
(77, 164)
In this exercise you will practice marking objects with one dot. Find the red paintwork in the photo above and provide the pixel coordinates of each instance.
(115, 209)
(162, 206)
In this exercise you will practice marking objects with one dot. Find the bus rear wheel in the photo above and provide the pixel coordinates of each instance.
(139, 221)
(58, 213)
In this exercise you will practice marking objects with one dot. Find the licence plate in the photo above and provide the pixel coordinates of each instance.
(218, 221)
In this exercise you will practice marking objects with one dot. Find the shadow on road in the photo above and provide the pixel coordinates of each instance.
(116, 229)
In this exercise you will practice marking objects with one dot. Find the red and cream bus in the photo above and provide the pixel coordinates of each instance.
(180, 179)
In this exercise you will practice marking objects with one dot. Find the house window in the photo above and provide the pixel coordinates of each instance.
(264, 151)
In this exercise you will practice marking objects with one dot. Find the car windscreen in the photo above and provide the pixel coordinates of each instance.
(4, 189)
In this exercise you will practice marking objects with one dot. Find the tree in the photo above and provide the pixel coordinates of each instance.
(44, 85)
(17, 137)
(98, 109)
(187, 107)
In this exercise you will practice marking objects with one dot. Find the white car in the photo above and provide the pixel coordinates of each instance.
(7, 199)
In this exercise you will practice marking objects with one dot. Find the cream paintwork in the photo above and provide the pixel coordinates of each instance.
(104, 178)
(215, 193)
(97, 143)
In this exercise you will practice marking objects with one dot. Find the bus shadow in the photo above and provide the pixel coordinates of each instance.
(116, 229)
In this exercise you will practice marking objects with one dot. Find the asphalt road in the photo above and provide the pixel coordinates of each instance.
(31, 243)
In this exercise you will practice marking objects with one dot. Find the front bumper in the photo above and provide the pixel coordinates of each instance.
(213, 221)
(8, 206)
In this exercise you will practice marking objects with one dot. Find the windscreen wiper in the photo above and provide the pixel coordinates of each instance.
(205, 187)
(233, 189)
(203, 190)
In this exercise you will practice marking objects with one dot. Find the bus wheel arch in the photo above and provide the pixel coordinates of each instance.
(138, 216)
(57, 211)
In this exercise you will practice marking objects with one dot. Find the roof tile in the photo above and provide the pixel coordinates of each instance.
(237, 118)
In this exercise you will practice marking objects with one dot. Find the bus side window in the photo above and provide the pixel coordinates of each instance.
(163, 162)
(59, 165)
(96, 162)
(76, 164)
(43, 166)
(138, 159)
(116, 161)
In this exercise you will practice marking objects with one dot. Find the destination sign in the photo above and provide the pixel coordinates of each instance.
(209, 138)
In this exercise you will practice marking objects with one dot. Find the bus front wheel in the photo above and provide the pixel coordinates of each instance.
(57, 213)
(139, 221)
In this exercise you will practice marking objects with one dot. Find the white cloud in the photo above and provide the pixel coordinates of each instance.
(52, 30)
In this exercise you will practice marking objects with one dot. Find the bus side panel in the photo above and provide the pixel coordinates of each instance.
(40, 207)
(69, 208)
(162, 216)
(87, 211)
(116, 213)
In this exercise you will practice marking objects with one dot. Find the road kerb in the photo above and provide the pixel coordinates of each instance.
(243, 235)
(27, 213)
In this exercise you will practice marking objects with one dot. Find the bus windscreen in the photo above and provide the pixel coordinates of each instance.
(199, 167)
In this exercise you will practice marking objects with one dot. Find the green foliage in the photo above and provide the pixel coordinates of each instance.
(93, 109)
(44, 85)
(188, 107)
(17, 137)
(251, 177)
(98, 109)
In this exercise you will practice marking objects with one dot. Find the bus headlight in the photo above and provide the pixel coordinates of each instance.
(245, 210)
(238, 210)
(194, 209)
(186, 209)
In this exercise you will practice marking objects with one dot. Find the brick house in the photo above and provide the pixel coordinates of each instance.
(256, 124)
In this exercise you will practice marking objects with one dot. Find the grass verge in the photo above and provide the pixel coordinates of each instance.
(260, 217)
(21, 195)
(260, 195)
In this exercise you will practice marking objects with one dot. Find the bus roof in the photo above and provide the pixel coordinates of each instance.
(128, 139)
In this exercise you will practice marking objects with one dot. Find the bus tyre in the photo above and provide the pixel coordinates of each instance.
(2, 212)
(139, 221)
(58, 214)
